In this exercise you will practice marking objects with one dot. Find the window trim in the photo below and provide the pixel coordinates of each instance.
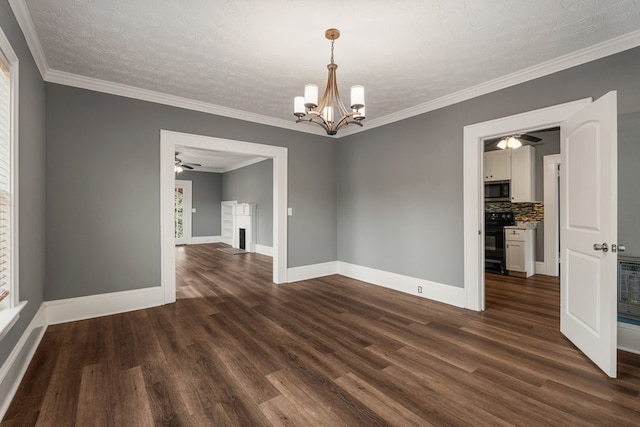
(9, 316)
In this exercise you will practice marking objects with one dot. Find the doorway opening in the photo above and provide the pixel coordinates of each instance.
(168, 142)
(474, 137)
(182, 212)
(517, 197)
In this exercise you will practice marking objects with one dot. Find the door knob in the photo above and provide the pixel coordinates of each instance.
(619, 248)
(603, 247)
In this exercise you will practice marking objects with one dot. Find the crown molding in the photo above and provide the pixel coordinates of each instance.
(75, 80)
(582, 56)
(23, 16)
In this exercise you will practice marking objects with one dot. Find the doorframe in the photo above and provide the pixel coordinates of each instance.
(473, 188)
(550, 165)
(168, 142)
(187, 213)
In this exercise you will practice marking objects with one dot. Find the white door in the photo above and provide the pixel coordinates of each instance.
(588, 221)
(182, 212)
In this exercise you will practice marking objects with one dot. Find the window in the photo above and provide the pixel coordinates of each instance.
(9, 301)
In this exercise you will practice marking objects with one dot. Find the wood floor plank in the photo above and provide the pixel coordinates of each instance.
(237, 350)
(380, 403)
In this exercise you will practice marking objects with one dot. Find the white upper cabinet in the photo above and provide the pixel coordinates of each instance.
(523, 182)
(497, 165)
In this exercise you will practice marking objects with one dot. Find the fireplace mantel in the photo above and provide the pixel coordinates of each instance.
(244, 217)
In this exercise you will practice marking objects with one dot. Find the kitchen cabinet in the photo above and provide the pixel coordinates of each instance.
(523, 181)
(497, 165)
(520, 248)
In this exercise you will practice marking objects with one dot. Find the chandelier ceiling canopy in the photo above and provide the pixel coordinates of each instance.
(330, 113)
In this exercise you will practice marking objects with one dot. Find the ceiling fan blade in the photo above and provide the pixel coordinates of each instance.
(529, 138)
(186, 166)
(488, 142)
(193, 164)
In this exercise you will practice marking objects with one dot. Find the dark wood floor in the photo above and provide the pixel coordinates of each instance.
(236, 350)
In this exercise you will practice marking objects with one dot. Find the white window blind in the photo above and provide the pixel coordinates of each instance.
(5, 184)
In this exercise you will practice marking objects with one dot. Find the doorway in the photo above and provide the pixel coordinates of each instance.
(473, 148)
(182, 212)
(518, 196)
(168, 142)
(588, 213)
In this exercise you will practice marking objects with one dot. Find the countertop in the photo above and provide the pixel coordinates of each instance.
(523, 225)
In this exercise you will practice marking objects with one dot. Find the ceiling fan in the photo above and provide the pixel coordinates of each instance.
(179, 165)
(505, 141)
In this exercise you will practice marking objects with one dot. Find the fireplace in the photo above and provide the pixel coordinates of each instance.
(244, 227)
(243, 237)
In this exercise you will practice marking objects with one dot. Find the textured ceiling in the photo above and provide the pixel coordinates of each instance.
(255, 56)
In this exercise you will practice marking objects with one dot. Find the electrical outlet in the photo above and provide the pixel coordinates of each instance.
(419, 289)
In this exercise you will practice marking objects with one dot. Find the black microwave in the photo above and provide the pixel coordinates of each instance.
(497, 191)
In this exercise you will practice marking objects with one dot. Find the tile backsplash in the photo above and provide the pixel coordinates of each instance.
(522, 211)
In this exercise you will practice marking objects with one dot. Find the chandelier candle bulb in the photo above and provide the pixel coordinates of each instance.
(327, 113)
(357, 96)
(311, 96)
(298, 106)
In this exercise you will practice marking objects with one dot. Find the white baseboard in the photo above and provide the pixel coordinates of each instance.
(199, 240)
(264, 250)
(306, 272)
(71, 309)
(541, 267)
(629, 337)
(432, 290)
(13, 369)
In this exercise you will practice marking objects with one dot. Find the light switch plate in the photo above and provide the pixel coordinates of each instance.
(290, 211)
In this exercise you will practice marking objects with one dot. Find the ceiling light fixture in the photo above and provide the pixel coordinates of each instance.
(509, 142)
(331, 113)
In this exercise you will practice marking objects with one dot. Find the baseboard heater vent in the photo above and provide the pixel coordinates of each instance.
(629, 287)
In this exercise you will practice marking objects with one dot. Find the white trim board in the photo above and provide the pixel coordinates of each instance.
(579, 57)
(15, 366)
(201, 240)
(265, 250)
(168, 141)
(80, 308)
(551, 224)
(629, 337)
(473, 186)
(430, 290)
(312, 271)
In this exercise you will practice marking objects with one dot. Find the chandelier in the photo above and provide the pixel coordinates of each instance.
(330, 113)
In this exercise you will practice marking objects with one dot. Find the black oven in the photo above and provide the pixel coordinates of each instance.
(494, 241)
(498, 191)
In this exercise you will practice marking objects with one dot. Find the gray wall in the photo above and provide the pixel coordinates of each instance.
(31, 179)
(103, 188)
(628, 182)
(206, 188)
(400, 186)
(253, 184)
